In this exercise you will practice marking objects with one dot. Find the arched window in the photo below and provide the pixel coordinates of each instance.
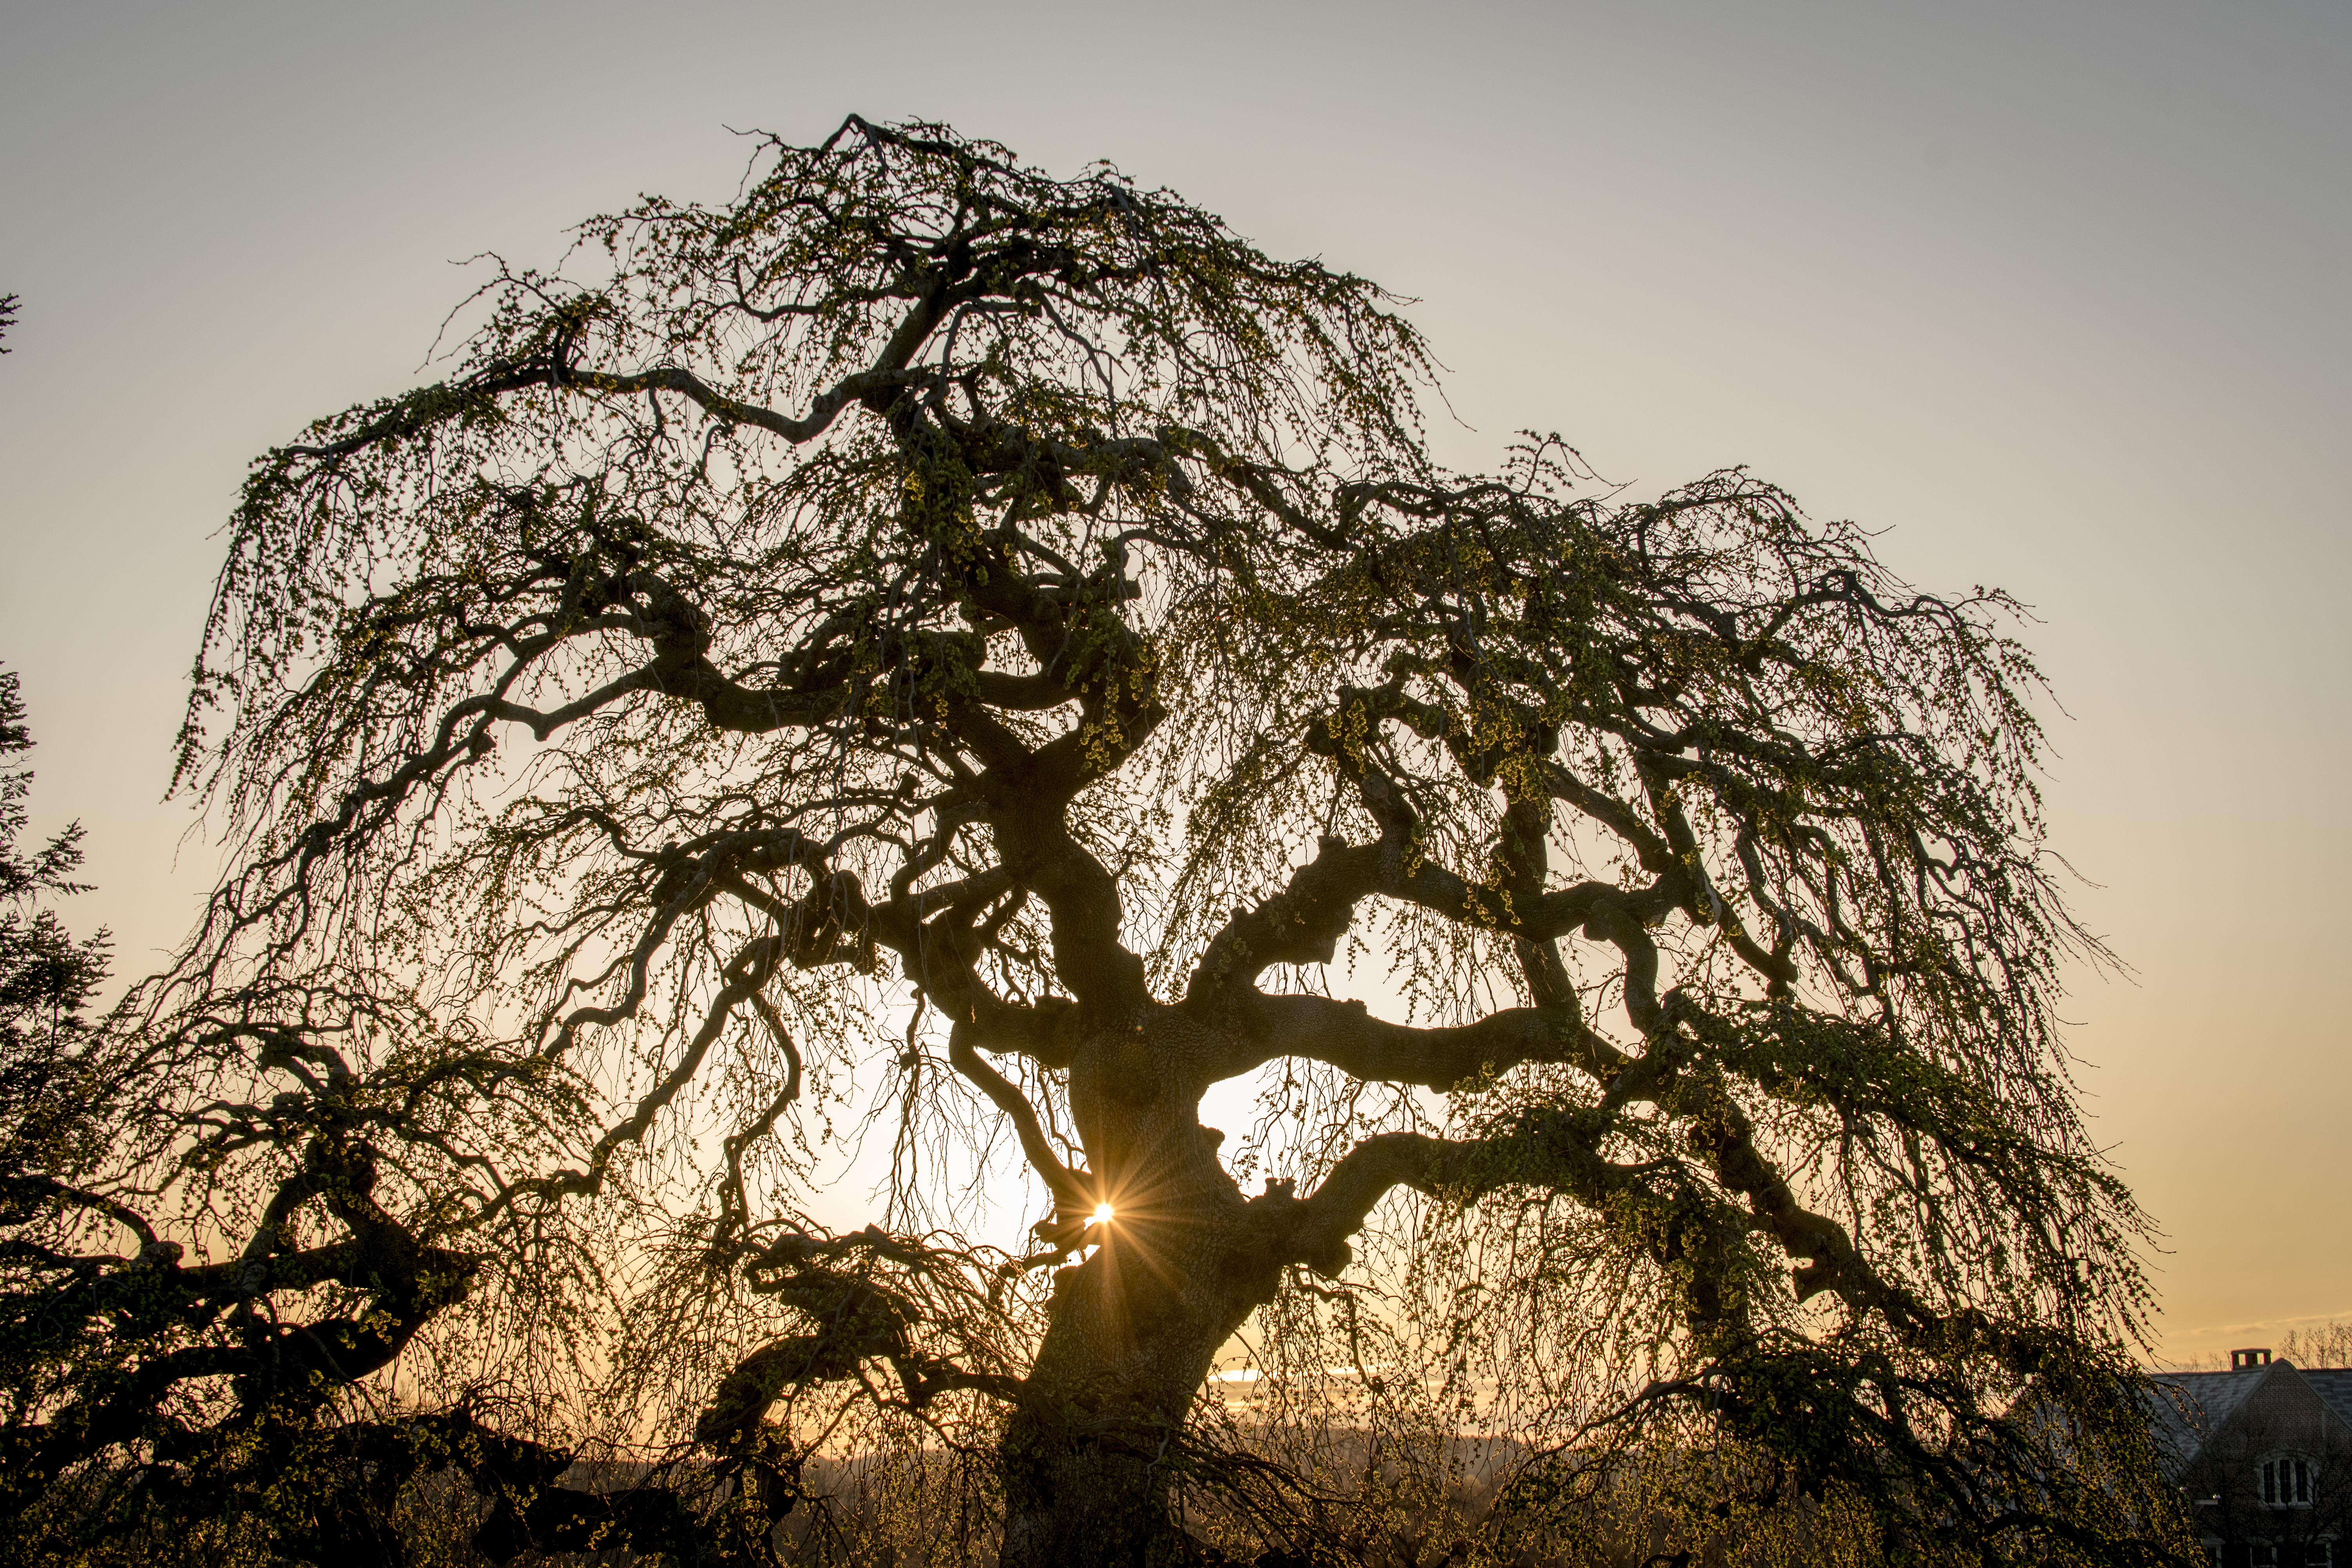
(2287, 1480)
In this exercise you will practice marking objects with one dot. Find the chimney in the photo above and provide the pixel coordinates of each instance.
(2241, 1360)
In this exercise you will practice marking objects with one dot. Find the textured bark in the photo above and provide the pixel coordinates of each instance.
(1136, 1328)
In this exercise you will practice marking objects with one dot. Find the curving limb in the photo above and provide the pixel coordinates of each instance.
(923, 594)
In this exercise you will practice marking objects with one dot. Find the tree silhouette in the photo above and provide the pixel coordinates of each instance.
(1004, 635)
(46, 977)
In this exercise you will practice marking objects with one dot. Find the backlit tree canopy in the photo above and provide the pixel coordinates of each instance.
(933, 634)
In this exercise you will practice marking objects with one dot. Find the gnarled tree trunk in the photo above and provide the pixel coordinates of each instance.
(1088, 1455)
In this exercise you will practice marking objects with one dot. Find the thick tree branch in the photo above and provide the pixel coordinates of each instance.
(1346, 1036)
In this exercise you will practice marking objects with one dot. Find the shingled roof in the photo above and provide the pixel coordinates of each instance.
(2191, 1408)
(2333, 1383)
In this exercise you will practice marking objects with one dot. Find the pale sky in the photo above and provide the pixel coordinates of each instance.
(2057, 295)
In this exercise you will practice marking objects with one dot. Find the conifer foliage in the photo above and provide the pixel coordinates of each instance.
(46, 977)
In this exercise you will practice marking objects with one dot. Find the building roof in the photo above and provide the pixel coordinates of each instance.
(2334, 1384)
(2207, 1400)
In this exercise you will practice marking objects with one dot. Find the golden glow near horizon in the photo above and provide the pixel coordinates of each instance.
(1102, 1214)
(2029, 386)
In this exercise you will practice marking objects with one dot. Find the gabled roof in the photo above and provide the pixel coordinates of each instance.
(2207, 1400)
(2334, 1384)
